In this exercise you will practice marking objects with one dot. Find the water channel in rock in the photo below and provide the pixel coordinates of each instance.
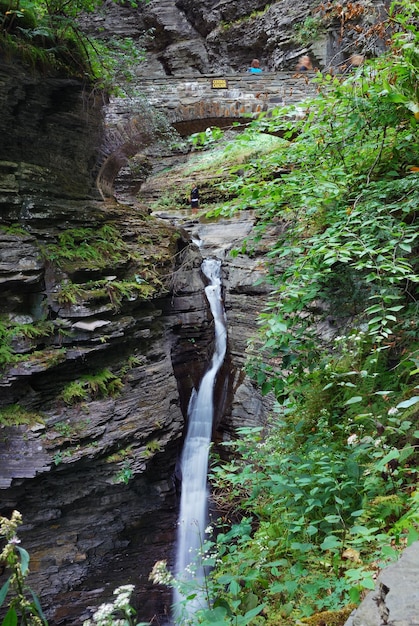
(194, 460)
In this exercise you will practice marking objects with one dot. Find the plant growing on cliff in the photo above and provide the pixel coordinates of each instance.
(15, 415)
(124, 475)
(97, 247)
(7, 354)
(104, 248)
(15, 334)
(108, 289)
(306, 32)
(100, 385)
(49, 34)
(23, 605)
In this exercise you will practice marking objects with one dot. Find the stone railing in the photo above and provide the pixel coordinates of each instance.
(267, 90)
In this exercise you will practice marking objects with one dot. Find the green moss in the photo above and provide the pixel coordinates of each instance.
(91, 248)
(329, 618)
(15, 415)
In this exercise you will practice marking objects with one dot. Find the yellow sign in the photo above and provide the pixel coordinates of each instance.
(219, 83)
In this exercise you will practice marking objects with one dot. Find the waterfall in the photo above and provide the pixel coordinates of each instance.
(194, 459)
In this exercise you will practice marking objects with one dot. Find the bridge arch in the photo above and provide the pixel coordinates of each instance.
(190, 105)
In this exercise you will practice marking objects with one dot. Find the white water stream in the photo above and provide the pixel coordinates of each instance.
(194, 460)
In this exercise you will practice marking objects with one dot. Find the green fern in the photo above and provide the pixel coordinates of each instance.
(32, 331)
(387, 508)
(98, 248)
(100, 385)
(74, 393)
(15, 415)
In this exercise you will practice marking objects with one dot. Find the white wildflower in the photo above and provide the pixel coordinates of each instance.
(124, 589)
(160, 574)
(14, 540)
(103, 614)
(352, 440)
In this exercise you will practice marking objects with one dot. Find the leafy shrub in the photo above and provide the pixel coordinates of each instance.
(313, 508)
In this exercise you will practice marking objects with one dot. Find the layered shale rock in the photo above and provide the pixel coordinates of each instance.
(192, 37)
(87, 323)
(105, 332)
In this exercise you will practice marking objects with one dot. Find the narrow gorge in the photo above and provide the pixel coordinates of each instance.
(102, 389)
(107, 336)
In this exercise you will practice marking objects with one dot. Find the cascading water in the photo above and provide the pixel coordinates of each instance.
(194, 460)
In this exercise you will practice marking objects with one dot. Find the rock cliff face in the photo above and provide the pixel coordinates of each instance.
(92, 475)
(105, 331)
(190, 37)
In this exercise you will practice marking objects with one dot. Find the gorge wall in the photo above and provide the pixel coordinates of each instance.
(105, 331)
(192, 37)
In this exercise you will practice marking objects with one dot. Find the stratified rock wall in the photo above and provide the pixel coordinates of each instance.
(54, 142)
(99, 372)
(93, 476)
(192, 37)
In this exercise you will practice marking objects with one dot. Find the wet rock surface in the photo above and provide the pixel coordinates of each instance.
(395, 600)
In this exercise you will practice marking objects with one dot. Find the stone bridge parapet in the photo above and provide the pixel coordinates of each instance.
(192, 104)
(224, 96)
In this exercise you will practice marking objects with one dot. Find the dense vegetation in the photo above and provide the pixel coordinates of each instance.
(49, 35)
(323, 497)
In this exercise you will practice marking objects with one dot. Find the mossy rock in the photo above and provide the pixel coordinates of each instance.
(329, 618)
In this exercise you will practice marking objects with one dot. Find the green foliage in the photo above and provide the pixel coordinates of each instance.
(15, 415)
(100, 385)
(306, 32)
(121, 455)
(311, 510)
(113, 63)
(99, 249)
(319, 509)
(125, 474)
(24, 606)
(111, 290)
(7, 354)
(13, 332)
(13, 229)
(152, 447)
(206, 137)
(48, 35)
(96, 247)
(70, 430)
(33, 331)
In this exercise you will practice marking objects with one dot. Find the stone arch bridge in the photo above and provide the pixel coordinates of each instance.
(192, 104)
